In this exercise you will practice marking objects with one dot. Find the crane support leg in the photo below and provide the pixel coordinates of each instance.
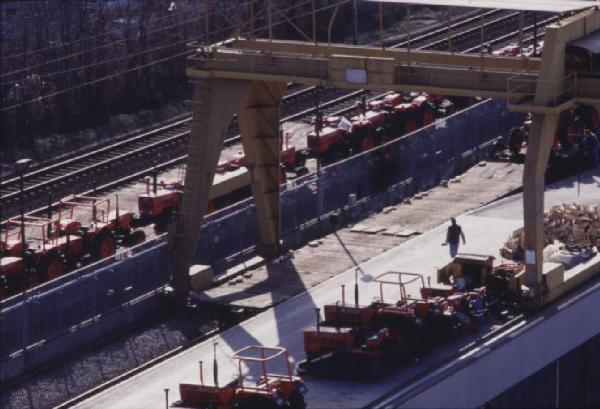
(258, 117)
(541, 138)
(214, 103)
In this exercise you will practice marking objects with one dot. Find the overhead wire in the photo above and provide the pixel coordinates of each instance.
(187, 52)
(93, 49)
(82, 40)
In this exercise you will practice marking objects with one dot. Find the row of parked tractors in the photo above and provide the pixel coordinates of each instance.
(376, 122)
(366, 341)
(363, 342)
(82, 229)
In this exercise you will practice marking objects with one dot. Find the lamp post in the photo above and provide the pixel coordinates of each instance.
(21, 167)
(354, 22)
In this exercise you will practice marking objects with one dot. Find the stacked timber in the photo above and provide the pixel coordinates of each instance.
(571, 226)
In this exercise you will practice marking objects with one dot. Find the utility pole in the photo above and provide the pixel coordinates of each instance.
(355, 22)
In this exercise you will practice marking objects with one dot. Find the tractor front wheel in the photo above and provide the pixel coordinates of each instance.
(136, 237)
(296, 400)
(51, 267)
(103, 246)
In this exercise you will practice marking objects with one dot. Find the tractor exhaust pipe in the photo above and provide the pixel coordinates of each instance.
(155, 179)
(343, 294)
(215, 365)
(117, 209)
(49, 213)
(318, 310)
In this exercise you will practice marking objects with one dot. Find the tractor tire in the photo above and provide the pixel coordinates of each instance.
(163, 219)
(411, 125)
(104, 245)
(34, 279)
(256, 402)
(296, 400)
(136, 237)
(51, 266)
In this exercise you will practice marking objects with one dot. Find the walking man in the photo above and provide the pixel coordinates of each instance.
(453, 237)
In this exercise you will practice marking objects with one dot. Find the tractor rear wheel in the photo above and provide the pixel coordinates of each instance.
(136, 237)
(51, 267)
(411, 125)
(103, 246)
(296, 400)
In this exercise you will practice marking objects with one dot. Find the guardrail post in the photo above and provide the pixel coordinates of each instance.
(25, 330)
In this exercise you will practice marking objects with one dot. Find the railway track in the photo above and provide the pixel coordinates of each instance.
(166, 144)
(466, 34)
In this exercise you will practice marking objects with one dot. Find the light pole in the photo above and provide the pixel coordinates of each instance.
(21, 167)
(354, 22)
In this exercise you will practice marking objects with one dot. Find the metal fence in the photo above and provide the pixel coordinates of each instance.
(91, 295)
(377, 178)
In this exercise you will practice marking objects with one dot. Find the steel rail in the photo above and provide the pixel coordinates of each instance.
(77, 166)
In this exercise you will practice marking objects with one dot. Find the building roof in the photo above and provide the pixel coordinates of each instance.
(554, 6)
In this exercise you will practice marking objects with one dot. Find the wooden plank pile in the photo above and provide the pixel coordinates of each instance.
(573, 225)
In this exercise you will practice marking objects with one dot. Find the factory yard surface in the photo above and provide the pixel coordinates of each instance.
(334, 253)
(486, 229)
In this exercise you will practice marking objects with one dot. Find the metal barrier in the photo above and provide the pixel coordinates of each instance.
(377, 178)
(93, 293)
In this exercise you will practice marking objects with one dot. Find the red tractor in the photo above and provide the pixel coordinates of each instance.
(363, 341)
(267, 391)
(416, 111)
(11, 263)
(369, 127)
(100, 227)
(330, 142)
(158, 205)
(46, 252)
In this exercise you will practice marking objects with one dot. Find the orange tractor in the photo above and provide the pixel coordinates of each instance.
(369, 126)
(364, 341)
(416, 111)
(100, 227)
(374, 123)
(329, 141)
(46, 253)
(158, 205)
(268, 391)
